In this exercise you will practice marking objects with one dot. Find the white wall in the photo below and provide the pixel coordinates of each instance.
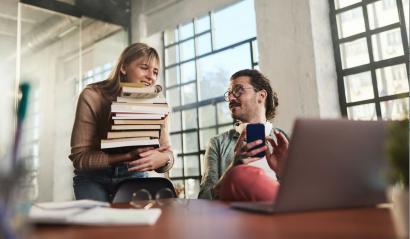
(296, 53)
(295, 48)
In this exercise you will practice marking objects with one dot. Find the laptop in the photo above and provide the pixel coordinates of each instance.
(331, 164)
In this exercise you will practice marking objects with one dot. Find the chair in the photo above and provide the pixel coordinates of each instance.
(153, 185)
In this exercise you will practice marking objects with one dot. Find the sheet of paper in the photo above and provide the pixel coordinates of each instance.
(113, 216)
(72, 204)
(52, 216)
(94, 216)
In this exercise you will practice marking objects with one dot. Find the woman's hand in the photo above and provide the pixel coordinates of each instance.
(135, 154)
(150, 160)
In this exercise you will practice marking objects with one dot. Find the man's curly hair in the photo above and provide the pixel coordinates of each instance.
(260, 82)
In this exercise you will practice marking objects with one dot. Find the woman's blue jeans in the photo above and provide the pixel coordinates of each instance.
(102, 184)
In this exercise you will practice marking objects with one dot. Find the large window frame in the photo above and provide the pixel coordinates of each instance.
(373, 64)
(213, 102)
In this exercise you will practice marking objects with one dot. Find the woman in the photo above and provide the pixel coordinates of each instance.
(97, 174)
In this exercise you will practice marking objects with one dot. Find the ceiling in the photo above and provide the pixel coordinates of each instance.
(41, 27)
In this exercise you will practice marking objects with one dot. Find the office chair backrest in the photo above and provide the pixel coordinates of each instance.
(153, 185)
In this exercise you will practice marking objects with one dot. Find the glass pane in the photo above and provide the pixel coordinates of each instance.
(362, 112)
(395, 109)
(215, 70)
(203, 44)
(173, 97)
(189, 119)
(202, 24)
(234, 24)
(190, 142)
(358, 87)
(171, 55)
(406, 16)
(8, 44)
(201, 157)
(171, 36)
(50, 61)
(191, 165)
(176, 142)
(192, 188)
(350, 22)
(255, 51)
(382, 13)
(188, 71)
(176, 170)
(207, 116)
(387, 45)
(205, 136)
(223, 129)
(224, 114)
(392, 80)
(171, 76)
(189, 94)
(175, 124)
(354, 53)
(345, 3)
(187, 50)
(186, 31)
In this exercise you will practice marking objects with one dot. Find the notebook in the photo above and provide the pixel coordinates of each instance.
(331, 164)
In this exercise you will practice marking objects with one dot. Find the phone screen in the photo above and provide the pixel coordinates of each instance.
(255, 132)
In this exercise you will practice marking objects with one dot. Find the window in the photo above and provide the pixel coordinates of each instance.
(200, 56)
(97, 74)
(371, 43)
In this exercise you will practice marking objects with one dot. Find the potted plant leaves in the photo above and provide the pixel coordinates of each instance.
(398, 155)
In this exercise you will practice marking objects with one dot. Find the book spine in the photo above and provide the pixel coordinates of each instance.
(138, 122)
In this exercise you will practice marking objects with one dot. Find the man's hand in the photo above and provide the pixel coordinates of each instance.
(243, 152)
(150, 159)
(277, 157)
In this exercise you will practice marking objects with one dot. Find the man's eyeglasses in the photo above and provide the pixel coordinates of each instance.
(236, 92)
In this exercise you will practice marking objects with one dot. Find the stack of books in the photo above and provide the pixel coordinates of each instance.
(137, 117)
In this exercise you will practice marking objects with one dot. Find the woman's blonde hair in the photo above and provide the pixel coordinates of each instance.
(128, 55)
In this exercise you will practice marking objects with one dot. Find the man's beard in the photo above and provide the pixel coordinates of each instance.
(236, 117)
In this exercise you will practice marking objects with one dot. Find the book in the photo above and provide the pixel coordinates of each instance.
(137, 116)
(147, 89)
(159, 99)
(141, 92)
(139, 121)
(128, 142)
(132, 84)
(131, 134)
(126, 149)
(134, 127)
(119, 107)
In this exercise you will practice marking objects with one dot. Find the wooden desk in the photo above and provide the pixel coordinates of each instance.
(212, 219)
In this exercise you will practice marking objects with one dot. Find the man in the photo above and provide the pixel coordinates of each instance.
(228, 175)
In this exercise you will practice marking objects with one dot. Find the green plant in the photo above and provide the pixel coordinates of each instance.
(398, 151)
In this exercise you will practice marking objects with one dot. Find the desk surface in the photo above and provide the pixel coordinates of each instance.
(214, 219)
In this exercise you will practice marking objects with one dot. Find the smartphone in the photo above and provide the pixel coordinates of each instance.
(255, 132)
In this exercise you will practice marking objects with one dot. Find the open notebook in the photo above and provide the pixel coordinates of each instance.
(88, 212)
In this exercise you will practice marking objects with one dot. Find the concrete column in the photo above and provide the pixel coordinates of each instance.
(296, 54)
